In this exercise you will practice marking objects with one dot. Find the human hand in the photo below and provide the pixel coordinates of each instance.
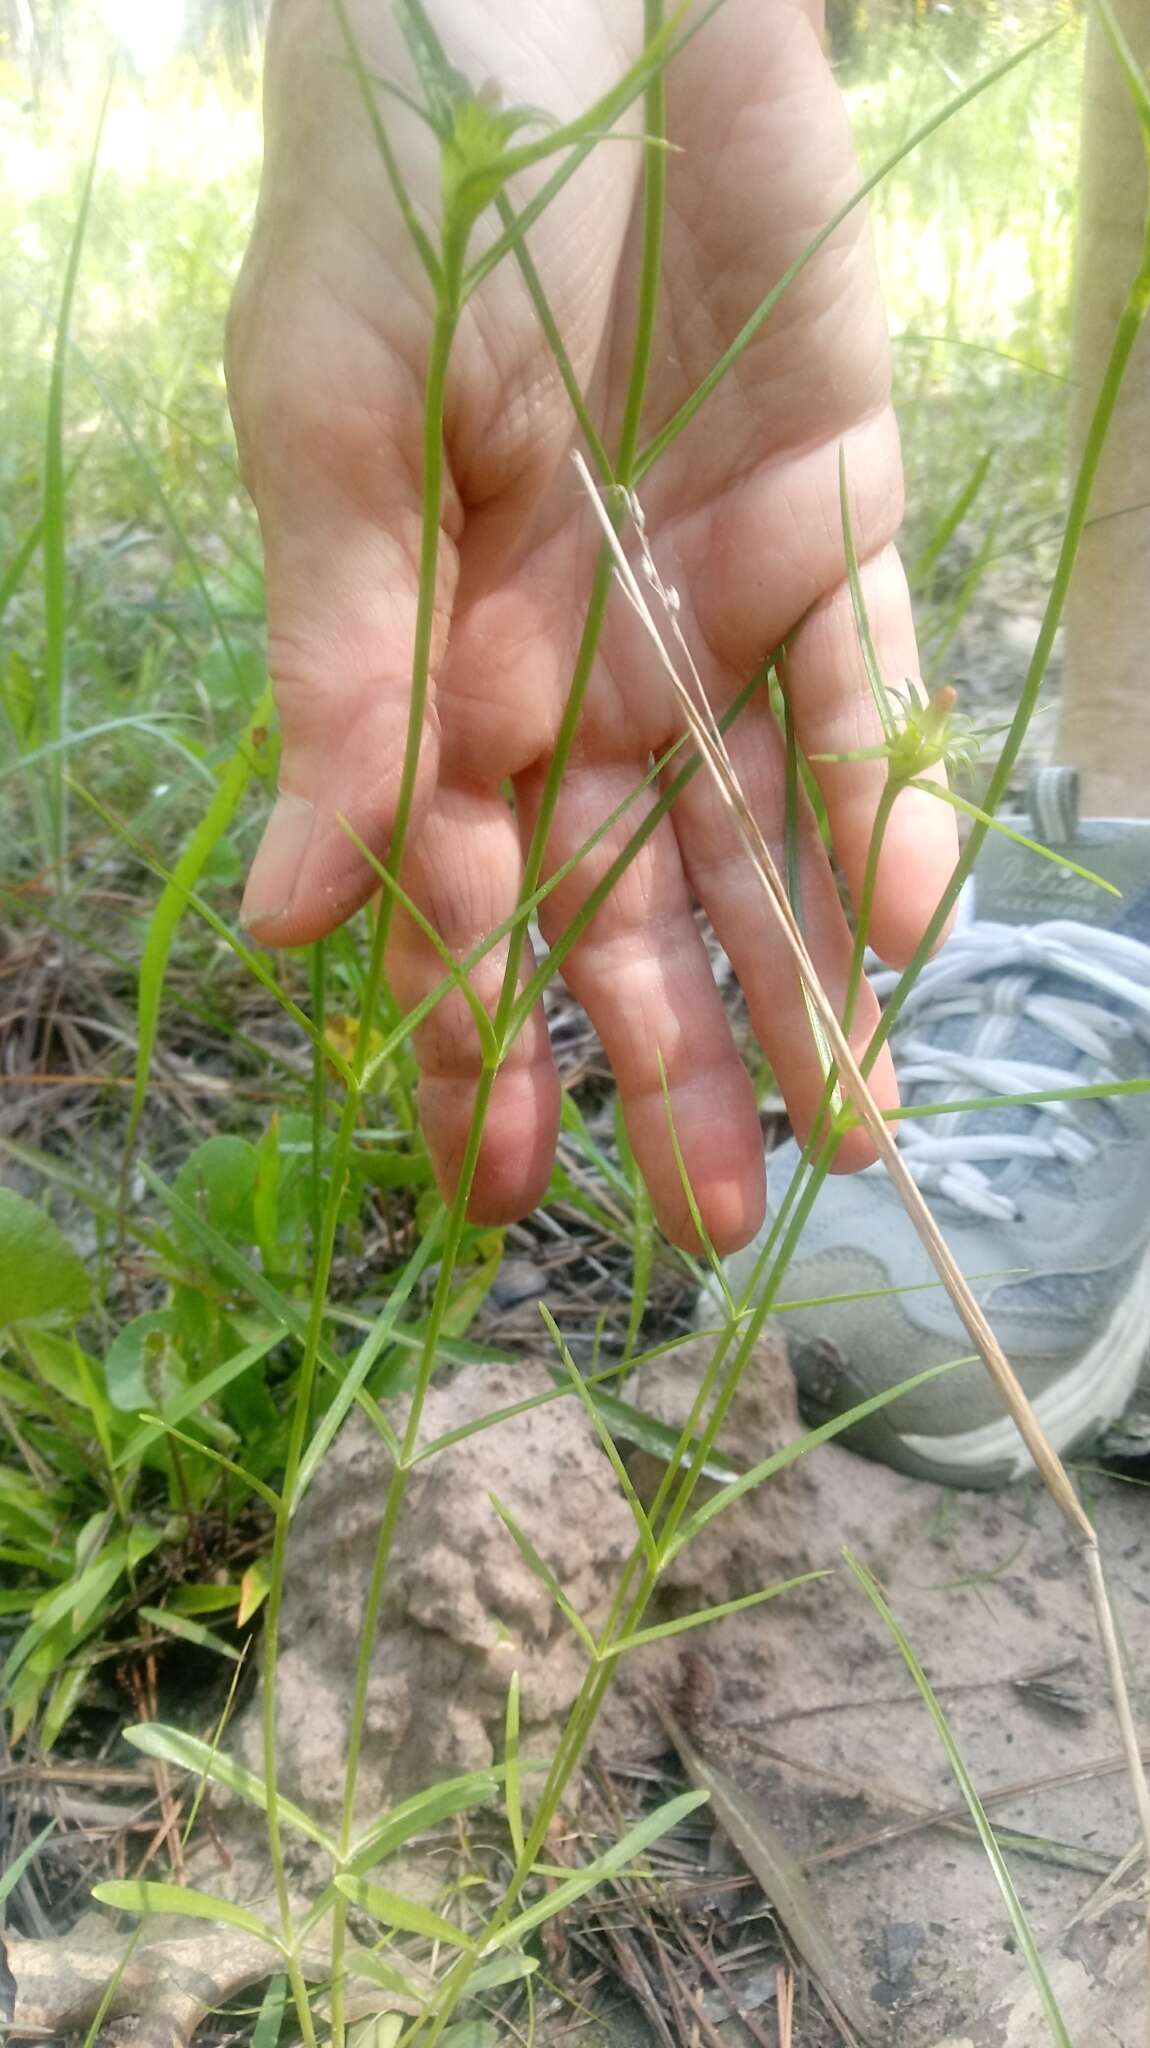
(328, 346)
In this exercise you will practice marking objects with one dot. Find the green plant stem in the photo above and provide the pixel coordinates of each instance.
(791, 812)
(507, 1021)
(318, 973)
(446, 320)
(651, 267)
(556, 344)
(436, 380)
(886, 802)
(301, 1412)
(397, 1488)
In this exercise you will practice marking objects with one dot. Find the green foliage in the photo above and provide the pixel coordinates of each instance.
(177, 1353)
(42, 1274)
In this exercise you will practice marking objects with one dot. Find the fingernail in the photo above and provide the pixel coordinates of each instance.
(276, 868)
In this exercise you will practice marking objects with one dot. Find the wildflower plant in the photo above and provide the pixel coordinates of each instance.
(483, 148)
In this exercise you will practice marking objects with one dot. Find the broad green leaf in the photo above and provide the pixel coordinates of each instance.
(172, 1746)
(290, 1315)
(632, 1845)
(40, 1274)
(55, 1358)
(472, 2033)
(142, 1367)
(218, 1182)
(135, 1895)
(395, 1911)
(544, 1574)
(17, 1601)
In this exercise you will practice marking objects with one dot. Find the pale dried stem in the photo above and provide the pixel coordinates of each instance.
(708, 738)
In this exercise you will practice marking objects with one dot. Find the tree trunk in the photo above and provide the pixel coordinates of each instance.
(1104, 729)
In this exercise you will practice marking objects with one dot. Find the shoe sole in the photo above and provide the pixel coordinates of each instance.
(1076, 1406)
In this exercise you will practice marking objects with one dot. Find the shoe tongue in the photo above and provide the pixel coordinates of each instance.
(1015, 886)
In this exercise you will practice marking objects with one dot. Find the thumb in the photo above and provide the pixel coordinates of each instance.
(342, 604)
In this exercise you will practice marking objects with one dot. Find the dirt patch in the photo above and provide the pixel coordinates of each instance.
(807, 1702)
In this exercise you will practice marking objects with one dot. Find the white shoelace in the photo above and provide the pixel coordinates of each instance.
(995, 972)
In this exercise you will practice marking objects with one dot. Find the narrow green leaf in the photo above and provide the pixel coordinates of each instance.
(950, 522)
(135, 1895)
(969, 810)
(511, 1793)
(544, 1574)
(599, 1425)
(508, 1969)
(195, 1396)
(787, 1453)
(214, 1457)
(874, 674)
(173, 1746)
(718, 1270)
(173, 902)
(1018, 1919)
(203, 1599)
(660, 1633)
(75, 1602)
(352, 1376)
(172, 1624)
(372, 1969)
(270, 2018)
(422, 1811)
(457, 973)
(11, 1875)
(766, 306)
(394, 1911)
(63, 1700)
(633, 1844)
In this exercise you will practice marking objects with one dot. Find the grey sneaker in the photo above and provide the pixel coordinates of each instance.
(1044, 984)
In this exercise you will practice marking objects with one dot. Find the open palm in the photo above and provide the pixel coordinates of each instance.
(328, 345)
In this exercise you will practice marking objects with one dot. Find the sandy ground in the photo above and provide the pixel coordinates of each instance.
(807, 1705)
